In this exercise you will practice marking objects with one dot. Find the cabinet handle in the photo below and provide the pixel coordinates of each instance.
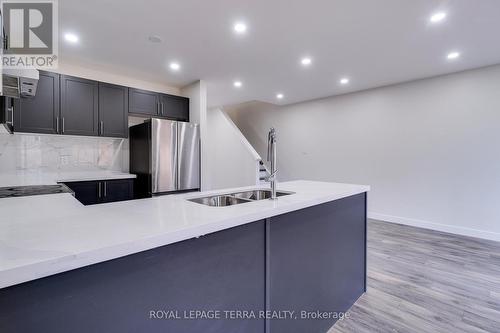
(57, 125)
(62, 125)
(102, 127)
(11, 109)
(99, 188)
(105, 189)
(162, 109)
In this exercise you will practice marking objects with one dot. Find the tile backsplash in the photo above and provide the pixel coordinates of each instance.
(58, 153)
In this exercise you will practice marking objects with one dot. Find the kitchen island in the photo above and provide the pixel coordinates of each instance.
(167, 264)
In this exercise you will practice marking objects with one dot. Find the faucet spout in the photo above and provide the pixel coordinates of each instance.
(271, 157)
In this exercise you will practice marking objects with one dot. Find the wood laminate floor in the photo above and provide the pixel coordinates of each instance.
(427, 281)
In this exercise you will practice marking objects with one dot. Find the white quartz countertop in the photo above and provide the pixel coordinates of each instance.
(48, 234)
(26, 178)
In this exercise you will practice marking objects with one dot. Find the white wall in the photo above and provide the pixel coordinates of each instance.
(197, 93)
(430, 149)
(233, 162)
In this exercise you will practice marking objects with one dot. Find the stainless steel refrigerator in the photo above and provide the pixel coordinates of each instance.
(165, 156)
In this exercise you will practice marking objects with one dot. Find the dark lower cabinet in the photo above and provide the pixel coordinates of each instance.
(309, 260)
(39, 114)
(79, 106)
(94, 192)
(86, 192)
(117, 190)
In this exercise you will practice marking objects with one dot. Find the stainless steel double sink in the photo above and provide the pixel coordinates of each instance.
(236, 198)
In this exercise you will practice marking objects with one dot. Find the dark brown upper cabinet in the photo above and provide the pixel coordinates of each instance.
(79, 106)
(174, 107)
(151, 104)
(39, 114)
(71, 105)
(113, 110)
(143, 103)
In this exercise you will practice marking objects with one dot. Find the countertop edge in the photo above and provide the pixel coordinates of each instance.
(29, 272)
(52, 178)
(89, 178)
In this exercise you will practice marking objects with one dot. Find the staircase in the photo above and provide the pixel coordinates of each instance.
(263, 172)
(260, 172)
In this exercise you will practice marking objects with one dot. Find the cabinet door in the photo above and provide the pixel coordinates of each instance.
(174, 107)
(39, 114)
(223, 271)
(316, 259)
(142, 102)
(113, 109)
(117, 190)
(79, 106)
(88, 192)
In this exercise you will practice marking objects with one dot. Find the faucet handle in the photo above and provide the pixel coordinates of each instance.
(272, 176)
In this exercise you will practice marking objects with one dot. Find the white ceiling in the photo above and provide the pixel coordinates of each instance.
(374, 43)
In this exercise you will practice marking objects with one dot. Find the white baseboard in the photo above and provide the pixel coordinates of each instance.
(436, 226)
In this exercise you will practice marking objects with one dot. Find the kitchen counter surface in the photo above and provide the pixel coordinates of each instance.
(48, 234)
(31, 178)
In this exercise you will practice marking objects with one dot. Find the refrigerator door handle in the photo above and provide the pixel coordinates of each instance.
(189, 156)
(175, 148)
(155, 163)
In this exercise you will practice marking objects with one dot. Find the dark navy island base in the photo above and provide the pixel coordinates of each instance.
(312, 259)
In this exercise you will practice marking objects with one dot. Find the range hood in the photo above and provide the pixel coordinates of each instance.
(6, 115)
(18, 83)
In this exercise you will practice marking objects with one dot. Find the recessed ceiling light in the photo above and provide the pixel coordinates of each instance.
(344, 80)
(237, 84)
(453, 55)
(175, 66)
(240, 27)
(70, 37)
(280, 96)
(306, 61)
(154, 39)
(438, 17)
